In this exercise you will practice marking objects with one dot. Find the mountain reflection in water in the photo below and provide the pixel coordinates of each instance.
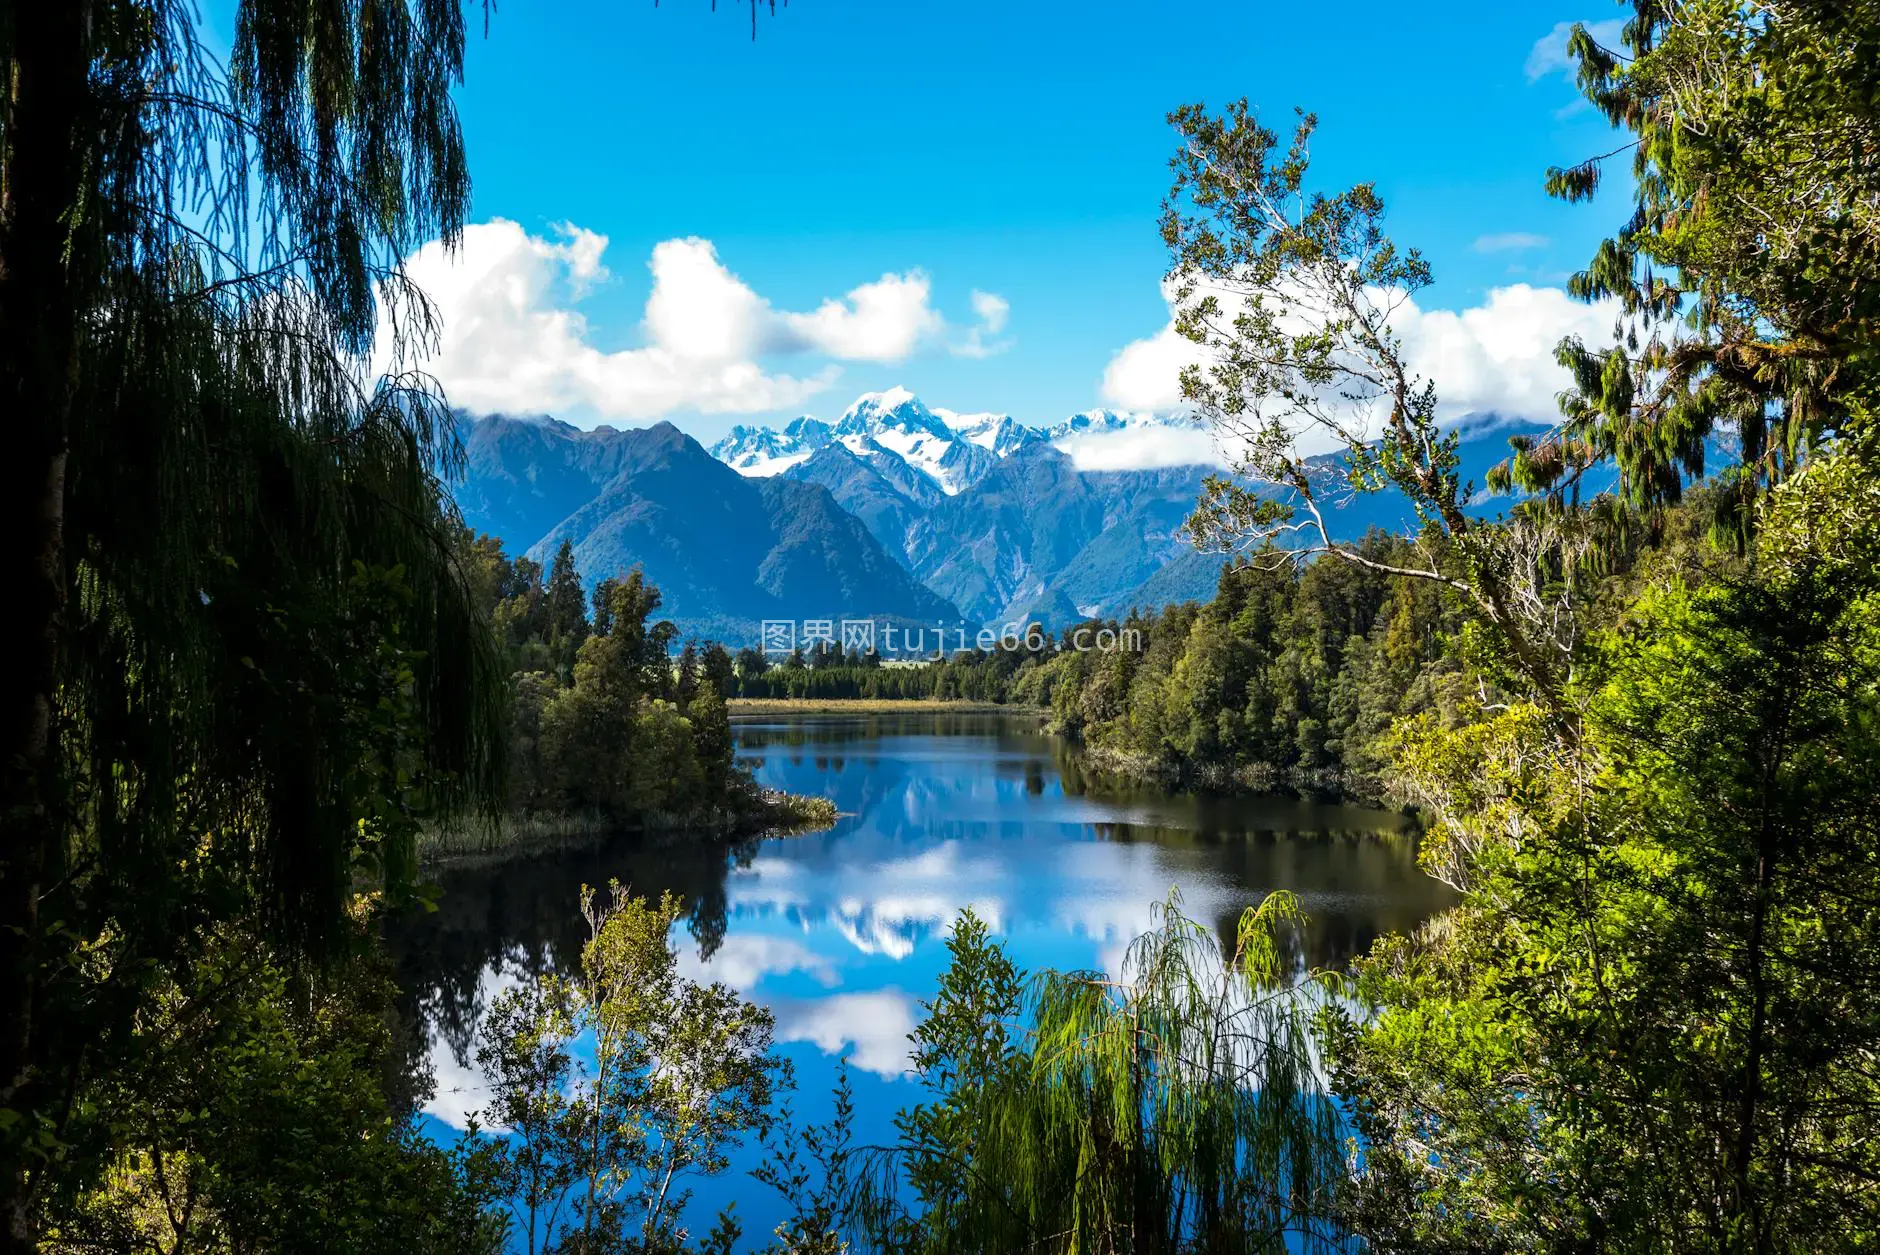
(842, 933)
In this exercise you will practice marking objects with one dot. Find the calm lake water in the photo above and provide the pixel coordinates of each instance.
(842, 933)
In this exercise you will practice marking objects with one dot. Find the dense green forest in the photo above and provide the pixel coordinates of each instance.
(605, 728)
(258, 662)
(1293, 674)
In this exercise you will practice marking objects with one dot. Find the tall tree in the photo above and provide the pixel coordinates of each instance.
(567, 607)
(1744, 269)
(1649, 1025)
(1290, 293)
(195, 267)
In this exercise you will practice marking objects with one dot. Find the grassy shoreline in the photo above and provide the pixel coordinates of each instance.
(510, 836)
(869, 706)
(1336, 782)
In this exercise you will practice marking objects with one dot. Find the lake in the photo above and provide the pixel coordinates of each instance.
(842, 933)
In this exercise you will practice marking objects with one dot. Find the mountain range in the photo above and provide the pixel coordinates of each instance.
(894, 511)
(726, 551)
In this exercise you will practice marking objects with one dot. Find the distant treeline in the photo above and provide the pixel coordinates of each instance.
(1294, 671)
(1293, 674)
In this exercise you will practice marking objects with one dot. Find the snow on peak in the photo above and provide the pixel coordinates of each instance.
(998, 434)
(761, 452)
(1091, 422)
(1115, 440)
(881, 402)
(949, 450)
(894, 409)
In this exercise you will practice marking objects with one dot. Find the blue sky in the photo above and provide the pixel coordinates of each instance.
(1006, 148)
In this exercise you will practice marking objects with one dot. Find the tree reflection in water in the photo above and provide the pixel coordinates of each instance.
(842, 932)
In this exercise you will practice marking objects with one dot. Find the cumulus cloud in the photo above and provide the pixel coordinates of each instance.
(871, 1027)
(511, 337)
(1497, 356)
(1146, 374)
(744, 959)
(883, 321)
(1549, 53)
(459, 1089)
(992, 311)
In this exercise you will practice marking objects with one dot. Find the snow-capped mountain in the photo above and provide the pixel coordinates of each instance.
(763, 451)
(923, 451)
(895, 506)
(1107, 422)
(899, 423)
(998, 434)
(1006, 518)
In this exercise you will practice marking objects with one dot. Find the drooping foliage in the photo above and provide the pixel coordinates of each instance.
(1171, 1108)
(254, 661)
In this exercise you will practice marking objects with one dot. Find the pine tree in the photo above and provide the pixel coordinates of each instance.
(685, 680)
(566, 607)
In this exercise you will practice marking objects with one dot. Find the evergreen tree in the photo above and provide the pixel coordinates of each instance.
(565, 607)
(1744, 269)
(751, 664)
(686, 676)
(603, 621)
(717, 668)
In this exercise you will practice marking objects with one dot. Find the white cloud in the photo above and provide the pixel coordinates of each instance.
(744, 959)
(511, 337)
(699, 311)
(459, 1088)
(1510, 241)
(992, 310)
(1146, 374)
(883, 321)
(876, 1023)
(1549, 53)
(1497, 356)
(1141, 448)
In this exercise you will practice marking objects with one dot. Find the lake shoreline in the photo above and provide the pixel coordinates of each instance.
(844, 936)
(486, 841)
(870, 706)
(1325, 783)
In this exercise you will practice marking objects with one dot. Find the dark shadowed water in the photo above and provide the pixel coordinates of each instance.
(842, 933)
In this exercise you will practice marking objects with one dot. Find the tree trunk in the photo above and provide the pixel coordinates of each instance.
(47, 108)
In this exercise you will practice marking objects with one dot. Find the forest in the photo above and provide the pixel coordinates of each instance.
(1291, 677)
(606, 729)
(1294, 676)
(261, 659)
